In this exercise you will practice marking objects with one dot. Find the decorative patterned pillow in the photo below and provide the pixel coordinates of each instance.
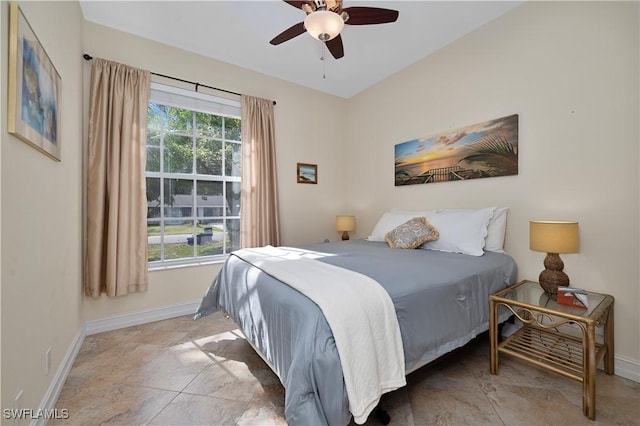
(392, 219)
(412, 234)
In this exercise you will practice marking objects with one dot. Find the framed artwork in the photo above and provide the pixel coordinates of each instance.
(481, 150)
(34, 89)
(307, 173)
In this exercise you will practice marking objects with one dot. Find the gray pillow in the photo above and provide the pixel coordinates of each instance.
(412, 234)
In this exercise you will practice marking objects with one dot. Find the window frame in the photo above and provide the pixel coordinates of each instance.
(196, 103)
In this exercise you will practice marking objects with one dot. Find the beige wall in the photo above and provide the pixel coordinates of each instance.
(41, 220)
(3, 123)
(570, 70)
(309, 127)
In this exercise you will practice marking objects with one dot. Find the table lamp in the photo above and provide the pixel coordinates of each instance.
(345, 224)
(553, 237)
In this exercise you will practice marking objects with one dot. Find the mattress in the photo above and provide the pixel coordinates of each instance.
(441, 301)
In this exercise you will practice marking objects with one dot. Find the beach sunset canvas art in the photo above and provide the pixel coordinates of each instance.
(481, 150)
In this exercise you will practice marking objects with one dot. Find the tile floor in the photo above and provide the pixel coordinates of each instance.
(184, 372)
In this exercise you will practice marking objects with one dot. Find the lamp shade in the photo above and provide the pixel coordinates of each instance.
(345, 223)
(323, 25)
(554, 236)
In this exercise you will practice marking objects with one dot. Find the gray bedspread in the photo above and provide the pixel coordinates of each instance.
(441, 300)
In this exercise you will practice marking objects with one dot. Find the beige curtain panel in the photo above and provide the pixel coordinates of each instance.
(116, 257)
(259, 224)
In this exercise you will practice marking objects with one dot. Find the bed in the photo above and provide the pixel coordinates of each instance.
(440, 299)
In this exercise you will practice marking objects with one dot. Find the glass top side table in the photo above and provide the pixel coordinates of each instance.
(541, 341)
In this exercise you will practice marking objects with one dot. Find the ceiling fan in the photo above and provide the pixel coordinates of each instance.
(326, 18)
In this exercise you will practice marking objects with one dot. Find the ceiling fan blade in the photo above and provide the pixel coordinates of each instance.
(297, 4)
(370, 15)
(335, 47)
(289, 33)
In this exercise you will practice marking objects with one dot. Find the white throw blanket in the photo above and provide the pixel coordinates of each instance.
(361, 316)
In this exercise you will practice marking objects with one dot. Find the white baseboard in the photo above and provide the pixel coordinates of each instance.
(99, 326)
(627, 368)
(137, 318)
(53, 392)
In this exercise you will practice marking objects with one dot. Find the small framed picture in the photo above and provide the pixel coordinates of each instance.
(34, 88)
(307, 173)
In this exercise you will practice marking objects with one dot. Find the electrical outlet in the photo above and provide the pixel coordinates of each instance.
(47, 362)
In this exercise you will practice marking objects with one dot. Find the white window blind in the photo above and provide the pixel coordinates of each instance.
(194, 101)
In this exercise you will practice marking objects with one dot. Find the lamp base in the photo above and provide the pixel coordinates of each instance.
(345, 235)
(553, 276)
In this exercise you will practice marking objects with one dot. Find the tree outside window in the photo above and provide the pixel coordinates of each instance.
(193, 183)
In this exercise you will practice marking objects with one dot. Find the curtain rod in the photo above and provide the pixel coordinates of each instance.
(89, 57)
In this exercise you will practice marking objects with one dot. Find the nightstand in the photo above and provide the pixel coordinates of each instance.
(540, 342)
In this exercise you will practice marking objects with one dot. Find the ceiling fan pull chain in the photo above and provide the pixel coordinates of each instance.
(324, 63)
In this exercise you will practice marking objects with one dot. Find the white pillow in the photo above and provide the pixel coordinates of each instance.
(496, 229)
(462, 231)
(391, 220)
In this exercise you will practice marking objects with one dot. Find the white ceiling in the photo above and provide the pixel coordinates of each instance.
(238, 32)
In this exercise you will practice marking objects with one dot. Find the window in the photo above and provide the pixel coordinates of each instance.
(193, 175)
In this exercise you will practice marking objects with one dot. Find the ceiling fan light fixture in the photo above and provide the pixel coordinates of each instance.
(323, 25)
